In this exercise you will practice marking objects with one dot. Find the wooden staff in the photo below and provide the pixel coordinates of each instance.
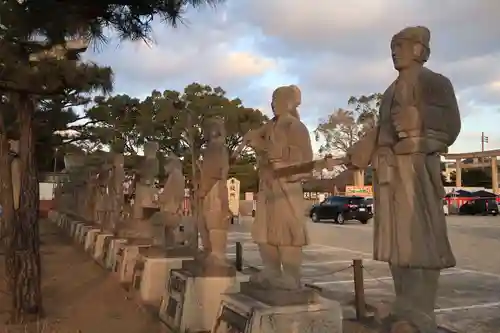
(328, 162)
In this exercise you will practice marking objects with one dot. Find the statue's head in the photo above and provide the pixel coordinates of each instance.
(214, 130)
(150, 149)
(285, 100)
(14, 146)
(172, 162)
(410, 47)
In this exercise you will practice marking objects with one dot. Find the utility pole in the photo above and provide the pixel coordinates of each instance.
(484, 139)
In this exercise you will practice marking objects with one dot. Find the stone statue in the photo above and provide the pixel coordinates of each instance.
(213, 192)
(419, 120)
(116, 196)
(279, 228)
(102, 195)
(15, 170)
(170, 202)
(145, 186)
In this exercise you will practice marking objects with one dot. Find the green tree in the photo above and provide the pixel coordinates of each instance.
(344, 127)
(475, 177)
(176, 119)
(244, 170)
(113, 121)
(129, 19)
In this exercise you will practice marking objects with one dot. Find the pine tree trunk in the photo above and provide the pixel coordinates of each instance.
(6, 199)
(23, 254)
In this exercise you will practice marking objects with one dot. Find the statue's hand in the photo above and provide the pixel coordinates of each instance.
(331, 162)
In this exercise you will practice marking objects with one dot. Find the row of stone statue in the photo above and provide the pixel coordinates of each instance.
(418, 120)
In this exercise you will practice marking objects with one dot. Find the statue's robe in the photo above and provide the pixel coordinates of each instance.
(409, 226)
(287, 143)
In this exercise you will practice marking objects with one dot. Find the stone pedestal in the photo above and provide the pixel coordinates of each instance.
(78, 230)
(59, 219)
(82, 234)
(72, 227)
(111, 261)
(90, 239)
(63, 222)
(52, 215)
(243, 313)
(100, 247)
(67, 225)
(194, 296)
(152, 271)
(127, 257)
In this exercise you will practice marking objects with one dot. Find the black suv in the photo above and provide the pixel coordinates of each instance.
(341, 208)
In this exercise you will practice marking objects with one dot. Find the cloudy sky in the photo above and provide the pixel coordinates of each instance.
(331, 49)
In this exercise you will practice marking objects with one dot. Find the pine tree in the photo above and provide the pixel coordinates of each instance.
(33, 70)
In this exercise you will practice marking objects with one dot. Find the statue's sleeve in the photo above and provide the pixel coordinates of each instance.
(442, 112)
(300, 149)
(360, 154)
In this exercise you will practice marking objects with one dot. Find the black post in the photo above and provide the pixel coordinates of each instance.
(359, 289)
(239, 257)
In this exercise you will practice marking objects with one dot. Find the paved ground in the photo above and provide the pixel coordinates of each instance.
(79, 295)
(469, 297)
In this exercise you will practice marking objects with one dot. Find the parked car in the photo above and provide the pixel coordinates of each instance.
(369, 203)
(342, 208)
(479, 206)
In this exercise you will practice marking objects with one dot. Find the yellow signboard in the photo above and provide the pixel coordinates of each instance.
(361, 191)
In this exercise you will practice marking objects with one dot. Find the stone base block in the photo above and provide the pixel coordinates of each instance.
(78, 230)
(90, 239)
(278, 297)
(115, 245)
(127, 257)
(240, 313)
(67, 225)
(62, 221)
(193, 301)
(72, 228)
(82, 235)
(100, 246)
(52, 215)
(151, 277)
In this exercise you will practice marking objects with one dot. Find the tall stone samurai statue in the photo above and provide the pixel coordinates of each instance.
(213, 193)
(419, 120)
(279, 228)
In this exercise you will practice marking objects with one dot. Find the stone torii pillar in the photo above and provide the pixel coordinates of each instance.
(494, 174)
(458, 173)
(359, 177)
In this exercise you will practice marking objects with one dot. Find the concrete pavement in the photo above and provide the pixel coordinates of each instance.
(469, 296)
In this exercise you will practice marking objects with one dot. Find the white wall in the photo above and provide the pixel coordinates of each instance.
(46, 191)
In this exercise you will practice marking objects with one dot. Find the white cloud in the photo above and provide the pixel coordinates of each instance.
(331, 49)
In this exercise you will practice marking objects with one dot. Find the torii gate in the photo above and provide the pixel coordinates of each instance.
(478, 163)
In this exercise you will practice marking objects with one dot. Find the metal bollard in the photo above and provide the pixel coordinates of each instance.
(239, 257)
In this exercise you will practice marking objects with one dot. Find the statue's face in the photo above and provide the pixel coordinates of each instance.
(14, 146)
(403, 53)
(278, 105)
(215, 133)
